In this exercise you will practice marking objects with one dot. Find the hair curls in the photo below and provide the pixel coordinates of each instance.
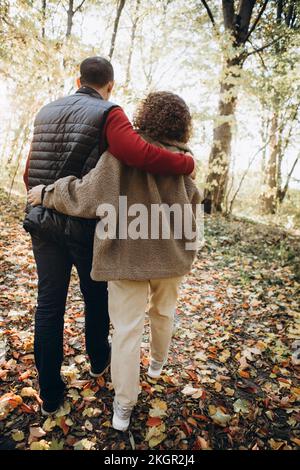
(164, 115)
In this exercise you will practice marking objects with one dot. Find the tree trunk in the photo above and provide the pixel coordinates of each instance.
(237, 26)
(265, 131)
(132, 39)
(268, 197)
(219, 158)
(70, 14)
(121, 4)
(44, 6)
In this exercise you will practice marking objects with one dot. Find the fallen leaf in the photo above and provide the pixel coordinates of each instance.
(201, 444)
(88, 425)
(241, 406)
(225, 355)
(156, 435)
(84, 444)
(49, 424)
(28, 392)
(18, 436)
(296, 440)
(64, 410)
(193, 392)
(276, 445)
(192, 421)
(55, 444)
(106, 424)
(40, 445)
(8, 402)
(244, 373)
(201, 356)
(131, 440)
(159, 408)
(154, 422)
(61, 422)
(25, 375)
(218, 416)
(35, 432)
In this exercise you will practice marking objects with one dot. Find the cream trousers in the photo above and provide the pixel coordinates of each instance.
(127, 306)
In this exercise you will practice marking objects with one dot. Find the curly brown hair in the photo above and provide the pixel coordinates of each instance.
(164, 115)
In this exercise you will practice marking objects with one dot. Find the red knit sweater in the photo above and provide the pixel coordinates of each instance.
(128, 147)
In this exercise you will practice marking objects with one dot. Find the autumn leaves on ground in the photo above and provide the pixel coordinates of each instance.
(232, 380)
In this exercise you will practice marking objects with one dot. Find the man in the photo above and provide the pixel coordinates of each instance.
(69, 136)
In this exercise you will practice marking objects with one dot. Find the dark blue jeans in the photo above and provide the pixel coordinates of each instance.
(54, 263)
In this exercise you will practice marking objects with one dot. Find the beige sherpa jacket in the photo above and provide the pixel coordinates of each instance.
(135, 259)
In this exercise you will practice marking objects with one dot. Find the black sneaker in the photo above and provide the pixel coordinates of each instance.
(98, 373)
(51, 407)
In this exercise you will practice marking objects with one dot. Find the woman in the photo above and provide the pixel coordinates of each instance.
(138, 266)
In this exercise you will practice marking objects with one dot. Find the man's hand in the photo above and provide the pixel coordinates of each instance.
(34, 196)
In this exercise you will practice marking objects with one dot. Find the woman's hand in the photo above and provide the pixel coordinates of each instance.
(34, 196)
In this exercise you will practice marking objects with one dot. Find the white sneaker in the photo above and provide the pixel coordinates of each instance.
(121, 417)
(155, 369)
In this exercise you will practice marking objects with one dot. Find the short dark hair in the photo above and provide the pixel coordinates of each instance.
(96, 71)
(164, 115)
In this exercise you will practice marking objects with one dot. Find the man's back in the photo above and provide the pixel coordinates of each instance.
(67, 138)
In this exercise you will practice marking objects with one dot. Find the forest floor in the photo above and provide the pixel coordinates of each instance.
(232, 380)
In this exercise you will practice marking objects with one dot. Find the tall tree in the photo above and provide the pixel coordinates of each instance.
(237, 30)
(284, 105)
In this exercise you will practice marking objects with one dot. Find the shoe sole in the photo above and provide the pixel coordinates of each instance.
(153, 376)
(119, 428)
(95, 376)
(48, 413)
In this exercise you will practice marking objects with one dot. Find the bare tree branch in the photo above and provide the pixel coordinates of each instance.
(291, 119)
(263, 147)
(120, 7)
(209, 12)
(259, 55)
(260, 13)
(132, 40)
(245, 174)
(283, 192)
(79, 6)
(262, 48)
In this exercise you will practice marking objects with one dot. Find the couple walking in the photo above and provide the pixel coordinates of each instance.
(85, 158)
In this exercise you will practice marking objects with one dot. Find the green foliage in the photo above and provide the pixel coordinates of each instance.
(175, 47)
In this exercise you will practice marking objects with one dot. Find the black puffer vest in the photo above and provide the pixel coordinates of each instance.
(67, 137)
(67, 140)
